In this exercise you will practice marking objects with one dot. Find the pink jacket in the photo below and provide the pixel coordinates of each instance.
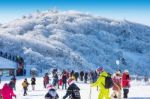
(117, 81)
(7, 92)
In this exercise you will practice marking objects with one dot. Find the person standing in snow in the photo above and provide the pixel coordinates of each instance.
(76, 75)
(55, 80)
(72, 73)
(73, 90)
(64, 80)
(25, 85)
(117, 85)
(45, 80)
(125, 83)
(51, 94)
(103, 92)
(33, 82)
(13, 82)
(86, 77)
(7, 92)
(81, 75)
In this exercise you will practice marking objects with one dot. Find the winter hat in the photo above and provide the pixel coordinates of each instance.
(118, 72)
(70, 81)
(100, 69)
(126, 71)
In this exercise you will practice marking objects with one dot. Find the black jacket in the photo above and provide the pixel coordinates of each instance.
(33, 81)
(70, 92)
(50, 96)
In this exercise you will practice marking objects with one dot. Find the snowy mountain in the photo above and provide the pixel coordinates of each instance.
(76, 40)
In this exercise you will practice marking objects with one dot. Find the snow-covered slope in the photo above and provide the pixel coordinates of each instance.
(76, 40)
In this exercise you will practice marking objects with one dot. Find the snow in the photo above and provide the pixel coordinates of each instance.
(7, 64)
(138, 90)
(79, 41)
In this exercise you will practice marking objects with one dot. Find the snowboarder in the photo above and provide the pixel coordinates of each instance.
(51, 94)
(25, 85)
(73, 90)
(103, 92)
(125, 83)
(7, 92)
(33, 82)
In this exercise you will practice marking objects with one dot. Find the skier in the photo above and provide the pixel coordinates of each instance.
(73, 90)
(7, 92)
(33, 80)
(125, 83)
(51, 94)
(25, 85)
(103, 92)
(117, 85)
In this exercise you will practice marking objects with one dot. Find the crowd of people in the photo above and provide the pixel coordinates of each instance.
(66, 81)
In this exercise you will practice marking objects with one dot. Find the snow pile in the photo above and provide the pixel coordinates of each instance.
(76, 40)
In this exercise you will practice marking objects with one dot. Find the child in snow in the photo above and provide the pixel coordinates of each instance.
(51, 94)
(25, 86)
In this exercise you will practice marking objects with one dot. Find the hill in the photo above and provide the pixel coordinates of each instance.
(74, 40)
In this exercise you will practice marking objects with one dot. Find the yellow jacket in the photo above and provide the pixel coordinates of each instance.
(103, 92)
(24, 84)
(100, 81)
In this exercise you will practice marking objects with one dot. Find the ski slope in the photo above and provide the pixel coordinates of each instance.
(138, 90)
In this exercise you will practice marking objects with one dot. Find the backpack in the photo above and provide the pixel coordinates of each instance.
(108, 81)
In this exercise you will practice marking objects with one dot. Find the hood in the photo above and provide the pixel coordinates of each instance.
(104, 73)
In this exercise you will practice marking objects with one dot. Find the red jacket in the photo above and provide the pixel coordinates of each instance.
(7, 92)
(125, 80)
